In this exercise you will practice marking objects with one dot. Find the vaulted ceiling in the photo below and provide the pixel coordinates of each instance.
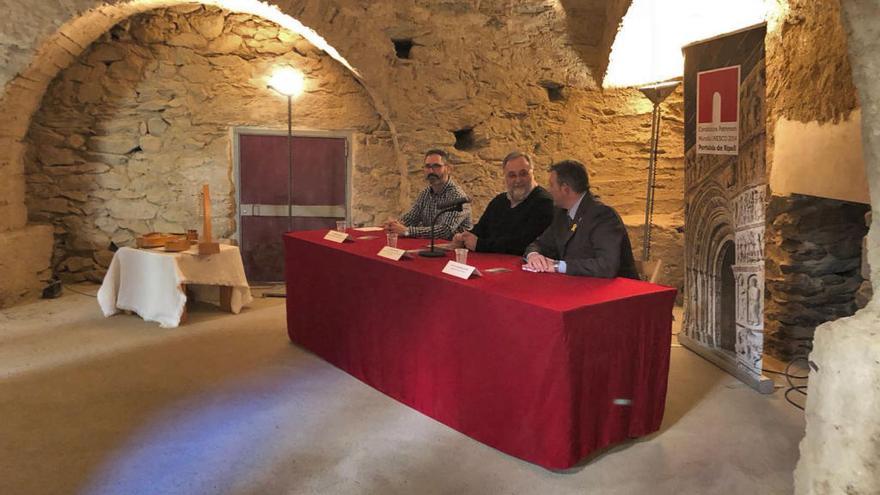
(592, 26)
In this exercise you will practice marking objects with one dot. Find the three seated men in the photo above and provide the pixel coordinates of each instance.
(580, 236)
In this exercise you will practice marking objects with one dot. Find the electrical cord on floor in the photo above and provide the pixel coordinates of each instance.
(792, 387)
(271, 290)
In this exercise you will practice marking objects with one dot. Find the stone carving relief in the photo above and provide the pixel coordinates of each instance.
(749, 316)
(749, 350)
(753, 301)
(750, 245)
(749, 206)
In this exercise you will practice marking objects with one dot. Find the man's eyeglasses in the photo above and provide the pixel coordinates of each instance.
(522, 174)
(434, 166)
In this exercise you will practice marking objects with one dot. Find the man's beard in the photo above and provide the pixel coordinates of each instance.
(518, 194)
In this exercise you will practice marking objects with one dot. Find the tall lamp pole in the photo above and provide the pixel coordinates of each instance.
(289, 82)
(289, 163)
(656, 93)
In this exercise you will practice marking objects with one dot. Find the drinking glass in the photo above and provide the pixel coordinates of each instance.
(391, 238)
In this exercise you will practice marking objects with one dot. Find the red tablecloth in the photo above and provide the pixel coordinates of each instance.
(545, 367)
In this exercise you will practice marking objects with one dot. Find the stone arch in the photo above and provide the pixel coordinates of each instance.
(23, 94)
(714, 213)
(175, 68)
(593, 43)
(42, 52)
(714, 227)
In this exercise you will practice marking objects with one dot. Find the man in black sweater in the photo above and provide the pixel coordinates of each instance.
(514, 218)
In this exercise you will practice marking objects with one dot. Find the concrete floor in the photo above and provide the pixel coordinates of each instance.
(226, 405)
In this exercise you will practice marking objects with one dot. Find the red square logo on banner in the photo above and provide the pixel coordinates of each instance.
(718, 111)
(718, 94)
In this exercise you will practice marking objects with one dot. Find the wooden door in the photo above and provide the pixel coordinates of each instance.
(319, 188)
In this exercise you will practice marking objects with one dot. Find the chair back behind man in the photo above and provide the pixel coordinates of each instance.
(649, 271)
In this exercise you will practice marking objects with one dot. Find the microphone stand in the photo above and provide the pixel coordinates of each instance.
(436, 253)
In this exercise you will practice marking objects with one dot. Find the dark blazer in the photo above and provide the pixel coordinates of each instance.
(595, 244)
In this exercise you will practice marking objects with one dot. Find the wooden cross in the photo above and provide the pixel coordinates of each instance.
(207, 244)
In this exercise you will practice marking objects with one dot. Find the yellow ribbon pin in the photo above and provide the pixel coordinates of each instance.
(574, 227)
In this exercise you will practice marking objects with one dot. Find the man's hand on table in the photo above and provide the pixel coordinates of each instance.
(457, 241)
(540, 263)
(466, 240)
(470, 240)
(393, 225)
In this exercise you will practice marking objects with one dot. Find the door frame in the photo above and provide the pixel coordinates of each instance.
(239, 131)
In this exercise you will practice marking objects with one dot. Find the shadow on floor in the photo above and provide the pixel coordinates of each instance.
(226, 404)
(60, 424)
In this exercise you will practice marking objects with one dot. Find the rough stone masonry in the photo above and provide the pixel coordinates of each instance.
(127, 132)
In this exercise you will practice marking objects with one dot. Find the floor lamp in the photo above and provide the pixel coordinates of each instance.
(289, 82)
(656, 93)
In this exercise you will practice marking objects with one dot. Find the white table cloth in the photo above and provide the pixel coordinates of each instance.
(148, 282)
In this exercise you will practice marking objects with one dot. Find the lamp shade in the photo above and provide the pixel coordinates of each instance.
(658, 92)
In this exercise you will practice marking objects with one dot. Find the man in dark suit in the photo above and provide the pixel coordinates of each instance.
(586, 237)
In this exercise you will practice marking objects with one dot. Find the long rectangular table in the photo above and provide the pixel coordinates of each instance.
(545, 367)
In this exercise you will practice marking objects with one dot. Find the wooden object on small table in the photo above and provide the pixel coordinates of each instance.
(152, 240)
(207, 245)
(177, 244)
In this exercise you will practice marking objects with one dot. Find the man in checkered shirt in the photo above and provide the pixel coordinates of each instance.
(441, 190)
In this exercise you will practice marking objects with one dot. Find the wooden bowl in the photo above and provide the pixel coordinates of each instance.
(152, 240)
(177, 244)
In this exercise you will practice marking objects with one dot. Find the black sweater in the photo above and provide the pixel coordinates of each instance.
(503, 229)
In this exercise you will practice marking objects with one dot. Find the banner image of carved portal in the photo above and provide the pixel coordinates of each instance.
(725, 198)
(718, 111)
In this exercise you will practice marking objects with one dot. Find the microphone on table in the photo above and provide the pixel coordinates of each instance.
(454, 205)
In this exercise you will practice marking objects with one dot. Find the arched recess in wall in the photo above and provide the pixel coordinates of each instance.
(26, 95)
(23, 94)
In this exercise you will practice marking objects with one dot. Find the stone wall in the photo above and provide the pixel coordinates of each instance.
(504, 76)
(29, 267)
(842, 444)
(814, 271)
(808, 70)
(813, 268)
(515, 88)
(128, 133)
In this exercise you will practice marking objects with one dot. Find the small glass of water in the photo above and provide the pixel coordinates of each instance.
(461, 255)
(391, 239)
(341, 225)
